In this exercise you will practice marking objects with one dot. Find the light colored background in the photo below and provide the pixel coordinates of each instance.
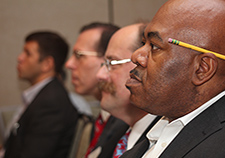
(20, 17)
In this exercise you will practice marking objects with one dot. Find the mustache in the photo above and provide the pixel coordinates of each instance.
(135, 72)
(108, 87)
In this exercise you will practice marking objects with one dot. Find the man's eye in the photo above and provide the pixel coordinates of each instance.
(27, 53)
(77, 55)
(154, 47)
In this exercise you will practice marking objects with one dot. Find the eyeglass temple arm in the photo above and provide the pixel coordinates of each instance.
(115, 62)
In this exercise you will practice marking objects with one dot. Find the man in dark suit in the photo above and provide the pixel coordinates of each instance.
(115, 97)
(46, 126)
(88, 54)
(183, 85)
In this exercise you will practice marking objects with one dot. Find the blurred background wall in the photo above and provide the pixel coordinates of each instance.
(20, 17)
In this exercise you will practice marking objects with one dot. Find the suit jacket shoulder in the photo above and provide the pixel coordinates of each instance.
(203, 137)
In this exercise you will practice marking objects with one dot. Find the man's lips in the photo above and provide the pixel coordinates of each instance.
(132, 80)
(133, 76)
(75, 80)
(18, 68)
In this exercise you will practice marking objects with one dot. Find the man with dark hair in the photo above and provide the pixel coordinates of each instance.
(46, 126)
(184, 84)
(88, 54)
(50, 44)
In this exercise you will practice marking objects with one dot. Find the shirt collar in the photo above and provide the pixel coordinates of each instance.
(105, 115)
(187, 118)
(138, 129)
(29, 94)
(141, 124)
(156, 131)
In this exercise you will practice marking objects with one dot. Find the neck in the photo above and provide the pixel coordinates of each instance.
(130, 115)
(41, 78)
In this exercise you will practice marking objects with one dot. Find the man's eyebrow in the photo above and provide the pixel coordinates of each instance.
(154, 35)
(111, 57)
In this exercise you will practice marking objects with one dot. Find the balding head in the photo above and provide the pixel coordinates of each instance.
(115, 96)
(200, 22)
(171, 80)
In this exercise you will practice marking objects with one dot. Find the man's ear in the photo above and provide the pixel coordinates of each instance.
(48, 64)
(205, 66)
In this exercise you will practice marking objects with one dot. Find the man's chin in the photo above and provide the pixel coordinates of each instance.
(105, 95)
(105, 102)
(79, 91)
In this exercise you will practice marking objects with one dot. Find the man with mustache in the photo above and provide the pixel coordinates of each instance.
(88, 54)
(183, 85)
(115, 97)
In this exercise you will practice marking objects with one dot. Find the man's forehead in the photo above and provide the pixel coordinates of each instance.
(85, 44)
(166, 22)
(112, 53)
(117, 53)
(117, 48)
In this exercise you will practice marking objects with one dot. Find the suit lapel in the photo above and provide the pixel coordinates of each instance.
(107, 132)
(138, 150)
(141, 146)
(118, 129)
(195, 132)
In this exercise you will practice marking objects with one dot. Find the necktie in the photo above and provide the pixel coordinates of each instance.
(99, 126)
(121, 145)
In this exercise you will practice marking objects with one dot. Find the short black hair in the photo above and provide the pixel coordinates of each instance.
(50, 44)
(108, 30)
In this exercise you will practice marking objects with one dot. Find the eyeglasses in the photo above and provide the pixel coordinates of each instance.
(79, 53)
(111, 63)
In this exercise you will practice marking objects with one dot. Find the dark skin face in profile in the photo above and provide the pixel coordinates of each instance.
(170, 80)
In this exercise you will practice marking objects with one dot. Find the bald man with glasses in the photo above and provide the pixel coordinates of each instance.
(112, 77)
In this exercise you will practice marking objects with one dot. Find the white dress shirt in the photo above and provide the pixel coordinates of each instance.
(162, 134)
(138, 129)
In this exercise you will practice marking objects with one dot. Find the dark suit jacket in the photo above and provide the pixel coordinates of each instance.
(108, 149)
(142, 138)
(113, 131)
(203, 137)
(47, 126)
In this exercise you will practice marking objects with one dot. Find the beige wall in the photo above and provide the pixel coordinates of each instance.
(20, 17)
